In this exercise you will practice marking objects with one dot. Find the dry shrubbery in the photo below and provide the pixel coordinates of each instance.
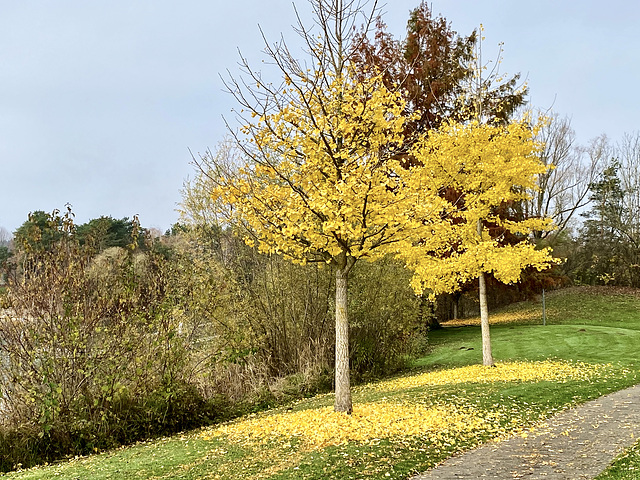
(100, 348)
(95, 349)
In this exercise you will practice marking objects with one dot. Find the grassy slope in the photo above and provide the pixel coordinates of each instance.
(583, 325)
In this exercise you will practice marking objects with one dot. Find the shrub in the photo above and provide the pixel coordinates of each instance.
(386, 327)
(96, 349)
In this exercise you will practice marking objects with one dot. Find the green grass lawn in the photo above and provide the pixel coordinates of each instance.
(409, 423)
(625, 467)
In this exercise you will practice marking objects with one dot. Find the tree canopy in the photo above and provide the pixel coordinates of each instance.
(321, 184)
(105, 232)
(490, 166)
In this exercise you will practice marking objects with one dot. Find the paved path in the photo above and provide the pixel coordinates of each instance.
(577, 444)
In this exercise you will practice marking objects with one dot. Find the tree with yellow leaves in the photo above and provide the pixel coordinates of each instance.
(319, 179)
(491, 166)
(321, 184)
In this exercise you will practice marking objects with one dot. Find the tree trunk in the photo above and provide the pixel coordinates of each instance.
(457, 310)
(487, 357)
(343, 384)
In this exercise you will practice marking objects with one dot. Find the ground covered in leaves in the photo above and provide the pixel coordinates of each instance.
(399, 427)
(405, 425)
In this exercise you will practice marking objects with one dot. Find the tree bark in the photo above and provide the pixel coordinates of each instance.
(343, 383)
(457, 310)
(487, 357)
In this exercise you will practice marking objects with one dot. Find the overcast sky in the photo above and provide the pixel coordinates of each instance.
(100, 101)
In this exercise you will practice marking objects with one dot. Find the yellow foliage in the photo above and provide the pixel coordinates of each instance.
(526, 316)
(486, 167)
(322, 180)
(548, 370)
(369, 422)
(322, 427)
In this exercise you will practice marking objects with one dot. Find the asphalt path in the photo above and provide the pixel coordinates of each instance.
(576, 444)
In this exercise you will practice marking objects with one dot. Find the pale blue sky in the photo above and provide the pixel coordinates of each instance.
(101, 100)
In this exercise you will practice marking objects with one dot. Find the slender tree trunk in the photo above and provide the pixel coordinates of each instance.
(457, 308)
(343, 384)
(487, 357)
